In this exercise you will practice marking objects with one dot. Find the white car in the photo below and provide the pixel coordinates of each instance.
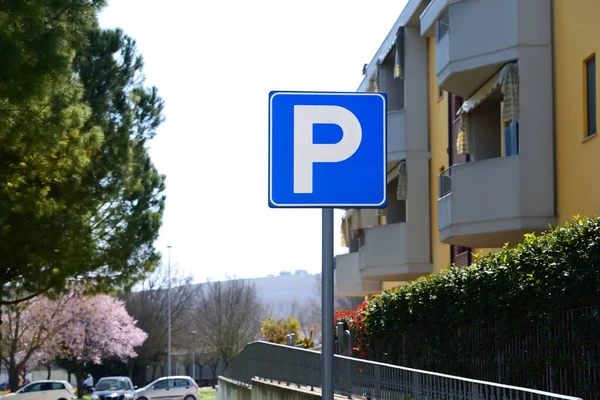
(44, 390)
(171, 388)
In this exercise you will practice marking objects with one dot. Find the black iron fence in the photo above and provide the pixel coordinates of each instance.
(358, 378)
(558, 353)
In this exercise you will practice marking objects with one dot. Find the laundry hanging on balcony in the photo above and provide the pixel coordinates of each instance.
(399, 61)
(462, 142)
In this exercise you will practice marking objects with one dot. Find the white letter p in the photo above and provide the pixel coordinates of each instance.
(306, 153)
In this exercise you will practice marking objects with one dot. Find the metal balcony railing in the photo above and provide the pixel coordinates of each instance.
(444, 183)
(360, 378)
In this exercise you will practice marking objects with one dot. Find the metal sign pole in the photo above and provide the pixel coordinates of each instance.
(327, 306)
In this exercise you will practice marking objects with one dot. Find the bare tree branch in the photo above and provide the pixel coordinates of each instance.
(227, 316)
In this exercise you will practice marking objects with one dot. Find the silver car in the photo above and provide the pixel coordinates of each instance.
(169, 388)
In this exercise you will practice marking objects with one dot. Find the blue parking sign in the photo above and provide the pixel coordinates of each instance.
(327, 150)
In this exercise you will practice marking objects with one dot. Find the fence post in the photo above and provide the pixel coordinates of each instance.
(339, 333)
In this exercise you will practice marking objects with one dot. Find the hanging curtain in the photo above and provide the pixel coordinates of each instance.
(377, 86)
(462, 142)
(399, 62)
(402, 181)
(344, 242)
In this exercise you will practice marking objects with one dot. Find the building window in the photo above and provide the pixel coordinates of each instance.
(590, 83)
(461, 249)
(440, 93)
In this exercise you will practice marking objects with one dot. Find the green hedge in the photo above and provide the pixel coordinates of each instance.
(508, 290)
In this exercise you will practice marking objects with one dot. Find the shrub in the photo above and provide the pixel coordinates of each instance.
(514, 287)
(307, 342)
(275, 330)
(354, 321)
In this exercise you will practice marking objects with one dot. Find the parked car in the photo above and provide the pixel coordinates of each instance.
(172, 387)
(114, 388)
(44, 390)
(4, 386)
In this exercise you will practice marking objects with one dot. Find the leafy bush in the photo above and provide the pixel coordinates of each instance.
(500, 296)
(275, 330)
(354, 320)
(307, 342)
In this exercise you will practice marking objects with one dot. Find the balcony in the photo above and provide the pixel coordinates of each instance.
(407, 104)
(488, 203)
(508, 187)
(474, 38)
(391, 254)
(347, 277)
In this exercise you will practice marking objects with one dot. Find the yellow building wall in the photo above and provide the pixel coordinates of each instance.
(485, 252)
(438, 143)
(389, 285)
(577, 36)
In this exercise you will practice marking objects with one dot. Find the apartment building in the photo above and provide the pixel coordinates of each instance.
(491, 126)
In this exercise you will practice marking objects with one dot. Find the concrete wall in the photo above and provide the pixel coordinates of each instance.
(394, 88)
(229, 390)
(260, 390)
(347, 277)
(416, 92)
(268, 391)
(483, 35)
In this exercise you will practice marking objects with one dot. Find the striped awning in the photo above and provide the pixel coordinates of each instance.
(376, 78)
(401, 190)
(386, 51)
(393, 174)
(507, 79)
(510, 89)
(399, 172)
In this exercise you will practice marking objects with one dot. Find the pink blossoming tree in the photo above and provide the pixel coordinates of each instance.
(73, 327)
(28, 331)
(103, 329)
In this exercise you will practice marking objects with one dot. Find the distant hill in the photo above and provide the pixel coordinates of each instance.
(280, 291)
(286, 288)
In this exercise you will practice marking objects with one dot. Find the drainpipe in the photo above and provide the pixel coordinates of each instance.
(554, 134)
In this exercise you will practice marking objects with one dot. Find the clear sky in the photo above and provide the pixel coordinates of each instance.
(214, 63)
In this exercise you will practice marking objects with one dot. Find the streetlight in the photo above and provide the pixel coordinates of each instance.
(194, 355)
(169, 318)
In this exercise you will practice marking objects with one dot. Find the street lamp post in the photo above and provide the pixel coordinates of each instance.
(169, 317)
(194, 355)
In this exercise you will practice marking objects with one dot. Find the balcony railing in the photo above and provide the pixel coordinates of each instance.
(356, 377)
(444, 183)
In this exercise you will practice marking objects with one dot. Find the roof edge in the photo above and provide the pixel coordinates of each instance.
(406, 15)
